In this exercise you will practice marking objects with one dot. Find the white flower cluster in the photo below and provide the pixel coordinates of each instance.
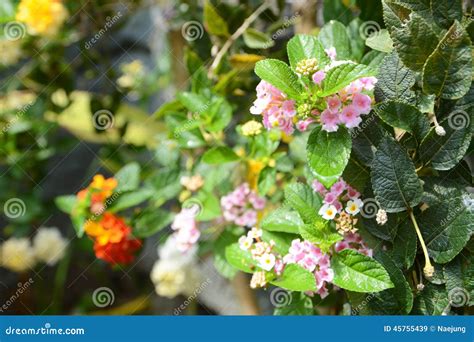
(175, 272)
(20, 255)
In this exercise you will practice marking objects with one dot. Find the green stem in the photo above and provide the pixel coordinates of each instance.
(428, 270)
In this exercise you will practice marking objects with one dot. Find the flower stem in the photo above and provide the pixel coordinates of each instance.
(428, 270)
(247, 22)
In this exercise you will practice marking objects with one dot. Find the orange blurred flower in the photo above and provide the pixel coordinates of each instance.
(112, 240)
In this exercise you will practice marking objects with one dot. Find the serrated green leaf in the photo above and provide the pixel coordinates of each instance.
(433, 300)
(328, 154)
(448, 70)
(394, 179)
(304, 46)
(279, 75)
(128, 177)
(404, 248)
(130, 199)
(334, 34)
(443, 12)
(282, 220)
(302, 198)
(150, 222)
(219, 155)
(342, 75)
(359, 273)
(394, 14)
(405, 116)
(444, 152)
(240, 259)
(446, 228)
(321, 234)
(296, 278)
(414, 42)
(395, 81)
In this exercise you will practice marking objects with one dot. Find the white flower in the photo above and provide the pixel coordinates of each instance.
(381, 218)
(267, 261)
(353, 206)
(245, 242)
(49, 246)
(175, 273)
(17, 255)
(255, 233)
(328, 211)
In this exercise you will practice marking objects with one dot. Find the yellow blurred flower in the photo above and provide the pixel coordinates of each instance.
(253, 171)
(251, 128)
(42, 17)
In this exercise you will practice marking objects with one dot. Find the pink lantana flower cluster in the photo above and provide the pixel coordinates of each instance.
(277, 110)
(186, 232)
(341, 203)
(354, 241)
(310, 257)
(241, 206)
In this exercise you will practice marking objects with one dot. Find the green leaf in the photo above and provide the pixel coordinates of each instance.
(299, 305)
(130, 199)
(380, 41)
(128, 177)
(282, 220)
(225, 239)
(433, 300)
(266, 179)
(414, 42)
(356, 39)
(66, 203)
(403, 252)
(219, 155)
(394, 14)
(296, 278)
(302, 198)
(255, 39)
(328, 154)
(209, 204)
(240, 259)
(279, 75)
(446, 228)
(394, 179)
(444, 152)
(359, 273)
(395, 81)
(321, 234)
(194, 102)
(213, 22)
(282, 240)
(443, 12)
(217, 116)
(150, 222)
(395, 301)
(342, 75)
(334, 34)
(304, 46)
(405, 116)
(447, 72)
